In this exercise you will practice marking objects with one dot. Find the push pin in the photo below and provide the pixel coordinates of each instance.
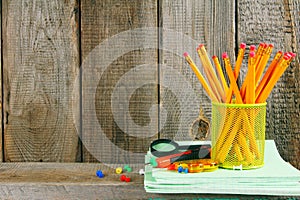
(240, 167)
(180, 169)
(119, 170)
(125, 178)
(122, 178)
(127, 168)
(186, 170)
(100, 174)
(141, 172)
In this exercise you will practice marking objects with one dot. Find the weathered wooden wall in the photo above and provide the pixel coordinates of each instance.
(277, 22)
(40, 63)
(68, 66)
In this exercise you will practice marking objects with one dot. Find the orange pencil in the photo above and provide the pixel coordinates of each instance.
(200, 77)
(250, 90)
(260, 51)
(239, 60)
(244, 85)
(279, 70)
(237, 68)
(263, 62)
(232, 78)
(268, 73)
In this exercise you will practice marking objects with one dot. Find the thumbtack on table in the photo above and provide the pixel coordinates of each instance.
(239, 167)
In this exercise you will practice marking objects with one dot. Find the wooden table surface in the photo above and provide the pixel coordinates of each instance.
(78, 181)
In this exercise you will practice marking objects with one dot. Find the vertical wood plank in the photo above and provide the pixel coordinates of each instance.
(196, 22)
(113, 98)
(40, 56)
(1, 142)
(276, 22)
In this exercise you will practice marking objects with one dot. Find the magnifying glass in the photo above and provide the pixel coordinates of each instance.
(168, 151)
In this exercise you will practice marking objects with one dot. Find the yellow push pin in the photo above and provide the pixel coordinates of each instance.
(119, 170)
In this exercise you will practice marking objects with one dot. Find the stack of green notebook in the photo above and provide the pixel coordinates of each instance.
(276, 177)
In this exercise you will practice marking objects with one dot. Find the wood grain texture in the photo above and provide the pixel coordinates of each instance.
(78, 181)
(107, 85)
(200, 22)
(40, 51)
(277, 22)
(1, 142)
(41, 63)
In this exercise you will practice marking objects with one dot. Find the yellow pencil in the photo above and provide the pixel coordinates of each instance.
(221, 74)
(249, 124)
(249, 118)
(250, 90)
(262, 64)
(232, 78)
(239, 60)
(244, 85)
(211, 82)
(236, 70)
(223, 152)
(203, 54)
(224, 131)
(243, 144)
(268, 73)
(259, 53)
(279, 70)
(237, 151)
(200, 77)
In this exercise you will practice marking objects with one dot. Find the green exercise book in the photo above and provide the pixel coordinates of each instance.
(276, 177)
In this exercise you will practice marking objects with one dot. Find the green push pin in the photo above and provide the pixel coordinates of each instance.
(153, 162)
(127, 168)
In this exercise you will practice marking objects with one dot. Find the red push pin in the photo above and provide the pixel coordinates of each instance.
(127, 179)
(123, 178)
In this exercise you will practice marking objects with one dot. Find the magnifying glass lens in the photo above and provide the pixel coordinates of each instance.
(164, 147)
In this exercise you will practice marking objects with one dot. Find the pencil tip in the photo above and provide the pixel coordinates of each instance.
(201, 45)
(225, 55)
(286, 57)
(185, 54)
(292, 54)
(214, 56)
(242, 45)
(252, 47)
(251, 54)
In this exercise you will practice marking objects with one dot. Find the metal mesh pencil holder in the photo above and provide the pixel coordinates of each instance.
(238, 135)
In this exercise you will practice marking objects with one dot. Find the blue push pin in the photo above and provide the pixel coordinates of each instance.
(99, 174)
(180, 169)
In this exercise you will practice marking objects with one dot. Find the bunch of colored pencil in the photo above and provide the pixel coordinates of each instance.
(237, 136)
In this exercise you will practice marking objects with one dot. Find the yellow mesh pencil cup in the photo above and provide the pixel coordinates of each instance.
(238, 135)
